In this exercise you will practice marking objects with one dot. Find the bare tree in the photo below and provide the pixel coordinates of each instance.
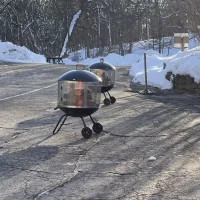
(57, 27)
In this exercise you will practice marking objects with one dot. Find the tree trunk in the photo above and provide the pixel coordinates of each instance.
(87, 36)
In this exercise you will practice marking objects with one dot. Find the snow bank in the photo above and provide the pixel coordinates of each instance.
(156, 74)
(187, 62)
(68, 61)
(14, 53)
(115, 59)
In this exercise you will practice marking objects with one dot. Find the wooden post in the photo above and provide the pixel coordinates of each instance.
(145, 91)
(182, 44)
(181, 40)
(145, 71)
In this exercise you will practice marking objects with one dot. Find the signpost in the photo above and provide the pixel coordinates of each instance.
(181, 40)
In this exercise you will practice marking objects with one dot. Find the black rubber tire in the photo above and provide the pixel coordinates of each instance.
(112, 100)
(86, 132)
(97, 128)
(106, 102)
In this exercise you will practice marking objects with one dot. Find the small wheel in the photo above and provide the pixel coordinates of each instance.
(97, 128)
(106, 102)
(112, 100)
(86, 132)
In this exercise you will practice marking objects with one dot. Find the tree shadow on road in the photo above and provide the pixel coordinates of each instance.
(13, 163)
(117, 167)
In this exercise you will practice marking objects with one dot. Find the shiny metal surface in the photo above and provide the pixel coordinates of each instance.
(76, 94)
(107, 76)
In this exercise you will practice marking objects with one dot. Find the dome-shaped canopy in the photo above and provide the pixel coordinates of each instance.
(79, 75)
(102, 65)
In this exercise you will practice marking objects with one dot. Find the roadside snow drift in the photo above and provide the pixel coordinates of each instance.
(14, 53)
(187, 62)
(115, 59)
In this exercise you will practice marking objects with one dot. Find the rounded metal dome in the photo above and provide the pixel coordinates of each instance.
(79, 75)
(102, 65)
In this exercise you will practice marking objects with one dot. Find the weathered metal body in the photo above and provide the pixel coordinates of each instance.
(107, 74)
(76, 94)
(79, 93)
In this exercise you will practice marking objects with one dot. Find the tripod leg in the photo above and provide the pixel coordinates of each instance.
(93, 121)
(60, 124)
(97, 127)
(106, 101)
(86, 131)
(109, 94)
(83, 121)
(104, 94)
(112, 99)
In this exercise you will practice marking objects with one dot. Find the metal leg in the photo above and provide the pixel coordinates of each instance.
(97, 127)
(112, 99)
(83, 121)
(92, 119)
(106, 101)
(60, 124)
(104, 94)
(109, 94)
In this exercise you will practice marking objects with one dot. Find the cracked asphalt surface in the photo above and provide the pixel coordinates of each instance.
(36, 165)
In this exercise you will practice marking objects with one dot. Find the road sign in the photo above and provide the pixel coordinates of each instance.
(181, 40)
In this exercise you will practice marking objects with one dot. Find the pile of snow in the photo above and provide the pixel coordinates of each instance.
(115, 59)
(14, 53)
(67, 61)
(187, 62)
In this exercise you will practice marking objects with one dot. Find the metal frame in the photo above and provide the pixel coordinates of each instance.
(62, 120)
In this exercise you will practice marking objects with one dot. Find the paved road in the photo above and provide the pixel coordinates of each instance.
(34, 164)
